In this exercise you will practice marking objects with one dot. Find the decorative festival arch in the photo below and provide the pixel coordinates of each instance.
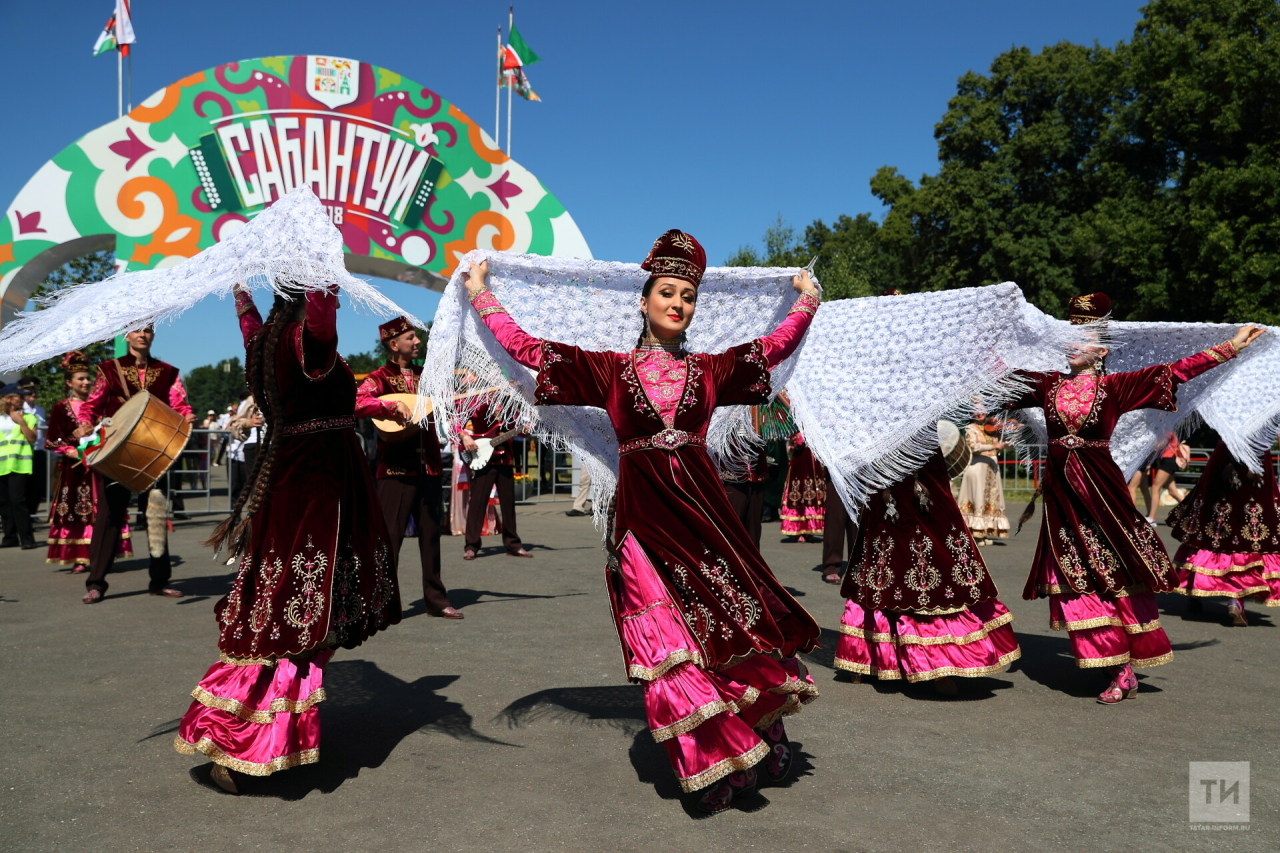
(412, 181)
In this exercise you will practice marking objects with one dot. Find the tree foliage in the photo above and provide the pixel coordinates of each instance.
(94, 267)
(1150, 171)
(214, 386)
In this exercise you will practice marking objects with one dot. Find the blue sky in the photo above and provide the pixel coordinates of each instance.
(708, 116)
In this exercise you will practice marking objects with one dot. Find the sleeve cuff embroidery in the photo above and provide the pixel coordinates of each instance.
(808, 303)
(486, 303)
(1223, 352)
(244, 303)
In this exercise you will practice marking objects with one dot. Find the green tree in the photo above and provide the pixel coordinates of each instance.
(94, 267)
(214, 386)
(1150, 171)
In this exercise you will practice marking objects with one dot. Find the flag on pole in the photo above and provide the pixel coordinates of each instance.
(519, 83)
(517, 53)
(118, 33)
(124, 26)
(106, 39)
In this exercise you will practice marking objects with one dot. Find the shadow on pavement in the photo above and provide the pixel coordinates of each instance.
(461, 597)
(368, 713)
(617, 706)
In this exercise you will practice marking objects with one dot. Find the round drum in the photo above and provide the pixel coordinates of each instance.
(955, 450)
(391, 431)
(139, 442)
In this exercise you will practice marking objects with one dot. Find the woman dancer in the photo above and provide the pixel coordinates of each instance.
(703, 622)
(1098, 559)
(981, 492)
(1229, 527)
(315, 569)
(921, 605)
(804, 498)
(75, 499)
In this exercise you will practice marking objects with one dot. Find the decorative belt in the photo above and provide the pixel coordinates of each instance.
(668, 439)
(318, 425)
(1071, 442)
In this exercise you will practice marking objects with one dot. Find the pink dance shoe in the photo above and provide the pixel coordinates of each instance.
(720, 795)
(1235, 609)
(1123, 686)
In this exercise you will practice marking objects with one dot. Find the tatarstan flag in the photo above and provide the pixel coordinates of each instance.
(517, 80)
(517, 54)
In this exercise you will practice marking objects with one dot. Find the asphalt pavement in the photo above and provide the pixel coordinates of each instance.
(515, 730)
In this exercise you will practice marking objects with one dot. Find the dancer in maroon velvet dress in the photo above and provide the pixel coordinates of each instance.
(1098, 559)
(704, 624)
(804, 498)
(1229, 527)
(316, 570)
(921, 604)
(75, 490)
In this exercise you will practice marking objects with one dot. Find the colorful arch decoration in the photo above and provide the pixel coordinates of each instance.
(412, 181)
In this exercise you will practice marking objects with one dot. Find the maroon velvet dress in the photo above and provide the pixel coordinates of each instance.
(1229, 527)
(317, 572)
(1098, 559)
(921, 604)
(75, 493)
(703, 623)
(804, 497)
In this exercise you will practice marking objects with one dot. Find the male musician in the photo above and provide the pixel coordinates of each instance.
(118, 380)
(408, 472)
(499, 470)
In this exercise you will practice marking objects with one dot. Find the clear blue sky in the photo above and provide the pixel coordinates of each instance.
(708, 116)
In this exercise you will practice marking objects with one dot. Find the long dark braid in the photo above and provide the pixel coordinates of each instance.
(261, 376)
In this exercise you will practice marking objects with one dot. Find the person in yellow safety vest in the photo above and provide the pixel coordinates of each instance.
(17, 437)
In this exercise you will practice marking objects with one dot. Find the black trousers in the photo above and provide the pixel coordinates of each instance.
(836, 528)
(113, 511)
(38, 482)
(480, 484)
(418, 498)
(747, 500)
(14, 511)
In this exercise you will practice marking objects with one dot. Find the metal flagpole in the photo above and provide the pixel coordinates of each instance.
(497, 92)
(119, 82)
(129, 88)
(511, 14)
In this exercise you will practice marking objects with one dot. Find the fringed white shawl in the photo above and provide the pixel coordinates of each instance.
(876, 374)
(1243, 411)
(290, 242)
(594, 305)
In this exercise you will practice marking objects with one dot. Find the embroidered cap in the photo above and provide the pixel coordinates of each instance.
(1088, 308)
(75, 362)
(678, 255)
(394, 329)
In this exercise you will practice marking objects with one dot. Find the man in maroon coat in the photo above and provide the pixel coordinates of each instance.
(409, 471)
(118, 380)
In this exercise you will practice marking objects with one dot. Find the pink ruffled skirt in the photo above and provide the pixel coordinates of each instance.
(893, 645)
(1204, 573)
(708, 720)
(256, 719)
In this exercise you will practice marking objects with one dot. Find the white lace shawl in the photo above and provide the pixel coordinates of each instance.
(1241, 410)
(594, 305)
(292, 240)
(876, 374)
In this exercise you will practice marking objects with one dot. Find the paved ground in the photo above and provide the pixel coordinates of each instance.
(514, 729)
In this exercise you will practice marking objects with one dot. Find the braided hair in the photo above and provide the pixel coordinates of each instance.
(260, 373)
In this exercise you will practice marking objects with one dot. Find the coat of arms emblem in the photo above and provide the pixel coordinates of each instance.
(332, 80)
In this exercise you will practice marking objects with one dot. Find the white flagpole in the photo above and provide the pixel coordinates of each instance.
(497, 93)
(511, 15)
(130, 86)
(119, 83)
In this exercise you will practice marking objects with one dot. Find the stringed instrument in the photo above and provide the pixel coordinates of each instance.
(394, 432)
(480, 457)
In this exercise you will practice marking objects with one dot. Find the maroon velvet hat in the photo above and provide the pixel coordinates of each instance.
(678, 255)
(394, 329)
(1088, 308)
(75, 362)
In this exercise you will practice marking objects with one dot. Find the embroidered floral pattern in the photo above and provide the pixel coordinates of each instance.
(662, 376)
(304, 609)
(876, 571)
(1075, 399)
(1253, 529)
(1219, 526)
(967, 569)
(266, 581)
(923, 575)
